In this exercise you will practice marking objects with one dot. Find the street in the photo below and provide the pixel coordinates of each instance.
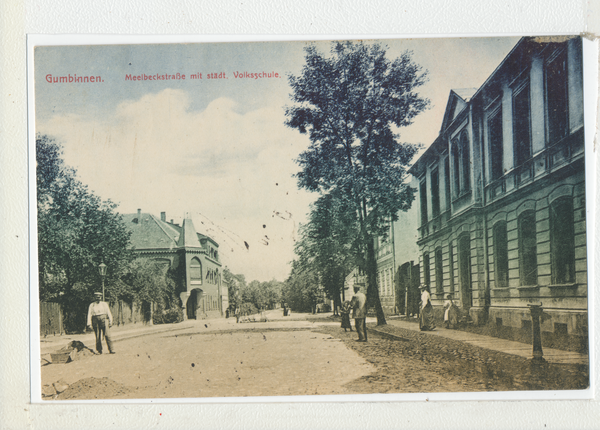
(300, 355)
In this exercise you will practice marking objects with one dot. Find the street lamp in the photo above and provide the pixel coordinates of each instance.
(102, 268)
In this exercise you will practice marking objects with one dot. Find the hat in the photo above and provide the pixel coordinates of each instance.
(98, 294)
(423, 287)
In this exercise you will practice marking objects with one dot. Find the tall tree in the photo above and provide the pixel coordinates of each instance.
(348, 103)
(77, 231)
(328, 241)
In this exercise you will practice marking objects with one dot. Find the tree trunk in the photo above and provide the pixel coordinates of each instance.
(372, 289)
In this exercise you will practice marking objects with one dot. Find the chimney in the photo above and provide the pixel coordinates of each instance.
(163, 216)
(139, 218)
(171, 220)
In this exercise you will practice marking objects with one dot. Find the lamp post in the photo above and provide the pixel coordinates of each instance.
(102, 268)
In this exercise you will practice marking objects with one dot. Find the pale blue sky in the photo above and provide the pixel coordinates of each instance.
(216, 149)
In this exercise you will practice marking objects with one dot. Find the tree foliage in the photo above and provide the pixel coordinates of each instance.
(329, 242)
(77, 231)
(302, 291)
(349, 103)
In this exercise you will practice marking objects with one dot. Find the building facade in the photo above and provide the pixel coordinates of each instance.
(194, 258)
(502, 194)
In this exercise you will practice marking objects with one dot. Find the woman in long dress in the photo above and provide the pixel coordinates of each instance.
(426, 317)
(450, 313)
(345, 312)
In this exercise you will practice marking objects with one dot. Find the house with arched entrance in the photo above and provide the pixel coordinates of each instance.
(193, 256)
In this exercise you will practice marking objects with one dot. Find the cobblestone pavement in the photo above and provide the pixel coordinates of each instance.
(410, 361)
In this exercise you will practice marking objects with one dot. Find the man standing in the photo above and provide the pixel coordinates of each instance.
(100, 319)
(359, 313)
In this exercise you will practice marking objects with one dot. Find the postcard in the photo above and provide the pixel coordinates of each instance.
(305, 220)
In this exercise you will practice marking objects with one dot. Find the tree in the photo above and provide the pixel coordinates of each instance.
(328, 242)
(235, 284)
(348, 103)
(302, 290)
(77, 231)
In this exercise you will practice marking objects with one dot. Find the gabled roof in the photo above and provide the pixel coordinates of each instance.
(457, 101)
(149, 232)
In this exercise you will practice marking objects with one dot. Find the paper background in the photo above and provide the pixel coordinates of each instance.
(309, 17)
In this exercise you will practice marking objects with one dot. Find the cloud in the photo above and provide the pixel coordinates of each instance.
(233, 168)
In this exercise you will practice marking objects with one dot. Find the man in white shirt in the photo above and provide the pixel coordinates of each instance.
(359, 313)
(100, 319)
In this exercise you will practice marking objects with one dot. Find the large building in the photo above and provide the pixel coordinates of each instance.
(193, 256)
(502, 194)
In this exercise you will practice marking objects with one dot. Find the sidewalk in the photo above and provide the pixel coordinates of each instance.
(53, 343)
(496, 344)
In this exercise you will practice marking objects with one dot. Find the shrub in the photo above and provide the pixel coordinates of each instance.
(168, 316)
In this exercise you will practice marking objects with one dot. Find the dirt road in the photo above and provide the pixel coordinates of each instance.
(253, 359)
(295, 357)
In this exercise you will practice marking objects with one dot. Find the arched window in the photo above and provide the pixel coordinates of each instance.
(501, 254)
(195, 270)
(527, 248)
(562, 241)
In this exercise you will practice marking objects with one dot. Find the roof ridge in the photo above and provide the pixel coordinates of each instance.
(162, 228)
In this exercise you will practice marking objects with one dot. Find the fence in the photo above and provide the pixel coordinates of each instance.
(51, 319)
(52, 322)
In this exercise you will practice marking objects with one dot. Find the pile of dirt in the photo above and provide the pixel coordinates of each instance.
(94, 388)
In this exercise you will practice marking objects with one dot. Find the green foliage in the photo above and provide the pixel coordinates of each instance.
(348, 103)
(77, 231)
(248, 309)
(235, 284)
(302, 290)
(169, 316)
(263, 295)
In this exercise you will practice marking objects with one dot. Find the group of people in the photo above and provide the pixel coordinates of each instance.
(358, 307)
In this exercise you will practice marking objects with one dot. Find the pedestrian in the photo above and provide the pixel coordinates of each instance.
(237, 315)
(100, 319)
(359, 313)
(450, 313)
(345, 313)
(426, 316)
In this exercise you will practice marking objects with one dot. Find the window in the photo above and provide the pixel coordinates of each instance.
(439, 272)
(195, 270)
(562, 241)
(495, 140)
(465, 161)
(456, 165)
(522, 125)
(501, 254)
(527, 248)
(451, 266)
(435, 193)
(423, 194)
(557, 114)
(447, 181)
(426, 276)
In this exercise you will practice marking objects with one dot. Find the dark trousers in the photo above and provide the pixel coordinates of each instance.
(100, 326)
(361, 328)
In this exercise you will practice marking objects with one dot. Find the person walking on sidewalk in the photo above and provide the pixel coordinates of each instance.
(100, 319)
(426, 316)
(345, 313)
(450, 313)
(359, 313)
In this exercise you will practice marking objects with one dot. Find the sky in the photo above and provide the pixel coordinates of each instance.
(216, 150)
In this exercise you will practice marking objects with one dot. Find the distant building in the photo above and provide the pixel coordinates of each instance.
(193, 256)
(502, 194)
(395, 254)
